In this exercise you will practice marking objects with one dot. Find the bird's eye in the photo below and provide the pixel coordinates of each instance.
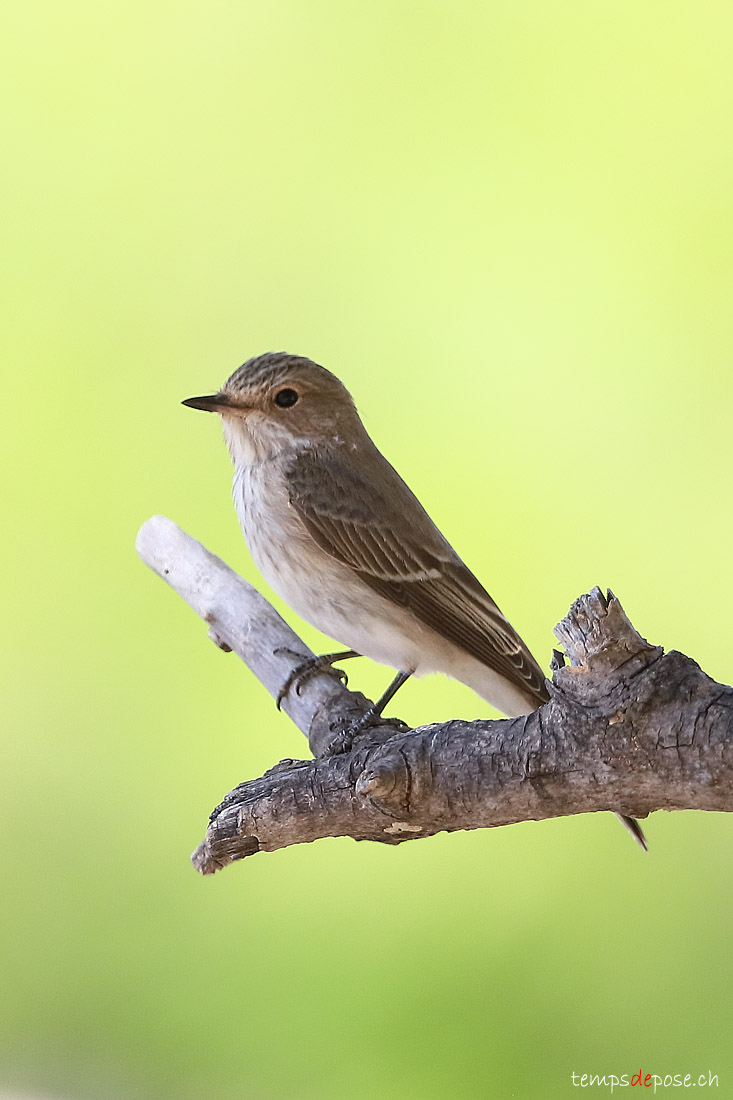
(286, 398)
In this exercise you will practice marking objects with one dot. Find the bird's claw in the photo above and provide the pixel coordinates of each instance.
(343, 741)
(304, 671)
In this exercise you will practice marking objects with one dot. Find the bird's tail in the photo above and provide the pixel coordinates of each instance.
(635, 829)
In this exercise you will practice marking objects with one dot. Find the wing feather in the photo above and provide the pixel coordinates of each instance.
(360, 522)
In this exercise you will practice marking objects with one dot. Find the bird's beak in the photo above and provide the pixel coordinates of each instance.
(215, 402)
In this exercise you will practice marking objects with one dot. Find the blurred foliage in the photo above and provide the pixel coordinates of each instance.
(507, 226)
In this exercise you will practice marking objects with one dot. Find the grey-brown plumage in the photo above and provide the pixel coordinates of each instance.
(340, 536)
(360, 522)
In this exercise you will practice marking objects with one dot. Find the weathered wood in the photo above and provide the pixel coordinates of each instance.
(240, 620)
(628, 728)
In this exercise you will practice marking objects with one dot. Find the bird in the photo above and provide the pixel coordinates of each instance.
(337, 533)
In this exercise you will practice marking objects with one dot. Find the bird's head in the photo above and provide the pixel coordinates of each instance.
(276, 401)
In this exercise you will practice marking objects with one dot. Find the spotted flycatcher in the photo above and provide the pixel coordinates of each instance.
(336, 532)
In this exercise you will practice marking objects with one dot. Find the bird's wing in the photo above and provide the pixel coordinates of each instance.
(378, 528)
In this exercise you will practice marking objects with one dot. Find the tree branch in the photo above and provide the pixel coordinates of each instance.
(628, 728)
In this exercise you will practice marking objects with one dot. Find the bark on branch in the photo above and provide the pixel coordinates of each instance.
(629, 728)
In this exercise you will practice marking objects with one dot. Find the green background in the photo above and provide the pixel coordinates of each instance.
(508, 227)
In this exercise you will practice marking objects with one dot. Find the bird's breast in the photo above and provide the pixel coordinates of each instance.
(268, 523)
(281, 548)
(325, 592)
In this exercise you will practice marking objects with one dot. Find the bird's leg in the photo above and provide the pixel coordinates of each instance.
(376, 709)
(303, 672)
(342, 741)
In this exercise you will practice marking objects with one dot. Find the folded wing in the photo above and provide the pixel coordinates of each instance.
(378, 528)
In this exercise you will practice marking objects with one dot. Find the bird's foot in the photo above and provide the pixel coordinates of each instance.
(303, 672)
(343, 741)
